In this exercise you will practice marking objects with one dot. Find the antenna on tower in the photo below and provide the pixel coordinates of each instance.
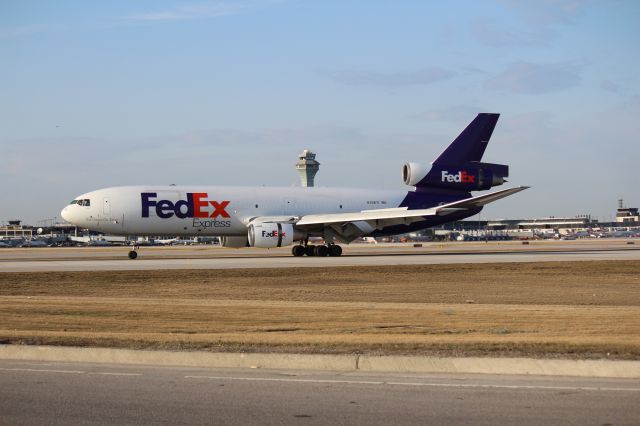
(307, 167)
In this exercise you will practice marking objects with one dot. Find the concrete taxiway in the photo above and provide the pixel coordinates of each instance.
(63, 393)
(211, 257)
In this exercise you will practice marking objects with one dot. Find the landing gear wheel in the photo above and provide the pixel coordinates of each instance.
(335, 250)
(310, 250)
(133, 254)
(298, 251)
(321, 251)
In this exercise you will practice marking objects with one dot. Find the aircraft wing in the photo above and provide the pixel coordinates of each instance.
(402, 215)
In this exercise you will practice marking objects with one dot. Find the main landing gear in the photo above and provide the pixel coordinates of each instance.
(320, 251)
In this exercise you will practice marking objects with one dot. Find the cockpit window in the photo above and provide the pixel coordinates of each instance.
(74, 202)
(85, 202)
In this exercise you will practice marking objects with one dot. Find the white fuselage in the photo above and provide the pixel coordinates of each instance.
(218, 211)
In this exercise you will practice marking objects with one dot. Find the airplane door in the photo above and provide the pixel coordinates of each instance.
(106, 207)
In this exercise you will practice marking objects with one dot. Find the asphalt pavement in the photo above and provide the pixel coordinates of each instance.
(80, 393)
(156, 258)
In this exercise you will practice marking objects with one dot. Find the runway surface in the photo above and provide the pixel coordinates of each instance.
(211, 257)
(64, 393)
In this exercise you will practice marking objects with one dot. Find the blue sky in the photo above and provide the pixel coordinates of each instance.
(96, 94)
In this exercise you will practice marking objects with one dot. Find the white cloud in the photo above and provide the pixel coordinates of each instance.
(403, 78)
(456, 114)
(25, 30)
(191, 11)
(530, 78)
(491, 32)
(547, 12)
(609, 86)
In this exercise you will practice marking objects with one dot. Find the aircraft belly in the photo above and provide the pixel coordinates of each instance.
(187, 226)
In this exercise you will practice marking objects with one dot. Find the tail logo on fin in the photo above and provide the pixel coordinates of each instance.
(460, 177)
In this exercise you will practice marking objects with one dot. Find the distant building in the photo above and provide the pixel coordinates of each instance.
(15, 229)
(581, 221)
(307, 167)
(627, 215)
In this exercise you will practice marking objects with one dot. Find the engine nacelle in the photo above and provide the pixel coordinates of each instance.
(413, 173)
(234, 242)
(270, 234)
(470, 176)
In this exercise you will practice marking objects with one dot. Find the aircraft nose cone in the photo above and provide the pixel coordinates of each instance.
(65, 214)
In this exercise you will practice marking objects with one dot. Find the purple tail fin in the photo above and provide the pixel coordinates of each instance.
(471, 143)
(459, 167)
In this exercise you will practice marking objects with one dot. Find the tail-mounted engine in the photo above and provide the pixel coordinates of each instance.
(470, 176)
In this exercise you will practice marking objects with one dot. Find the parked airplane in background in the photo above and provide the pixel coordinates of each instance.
(278, 217)
(174, 241)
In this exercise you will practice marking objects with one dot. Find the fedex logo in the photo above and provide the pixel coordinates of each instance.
(460, 177)
(273, 234)
(196, 205)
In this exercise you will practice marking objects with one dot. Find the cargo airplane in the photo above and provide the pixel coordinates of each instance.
(289, 216)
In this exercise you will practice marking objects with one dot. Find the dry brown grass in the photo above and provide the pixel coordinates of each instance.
(586, 309)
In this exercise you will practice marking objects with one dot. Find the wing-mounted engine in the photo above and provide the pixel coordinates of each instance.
(274, 234)
(234, 242)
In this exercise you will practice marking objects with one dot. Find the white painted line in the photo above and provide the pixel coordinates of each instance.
(477, 385)
(101, 373)
(267, 379)
(443, 385)
(42, 370)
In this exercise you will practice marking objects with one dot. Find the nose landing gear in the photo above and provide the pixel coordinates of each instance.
(133, 253)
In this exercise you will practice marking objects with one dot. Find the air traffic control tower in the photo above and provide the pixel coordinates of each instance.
(307, 166)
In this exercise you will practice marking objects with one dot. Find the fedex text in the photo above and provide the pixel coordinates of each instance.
(197, 205)
(273, 234)
(460, 177)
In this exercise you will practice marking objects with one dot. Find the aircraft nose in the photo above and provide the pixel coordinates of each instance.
(65, 214)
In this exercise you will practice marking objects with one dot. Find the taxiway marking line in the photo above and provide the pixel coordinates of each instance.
(478, 385)
(41, 370)
(100, 373)
(448, 385)
(269, 379)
